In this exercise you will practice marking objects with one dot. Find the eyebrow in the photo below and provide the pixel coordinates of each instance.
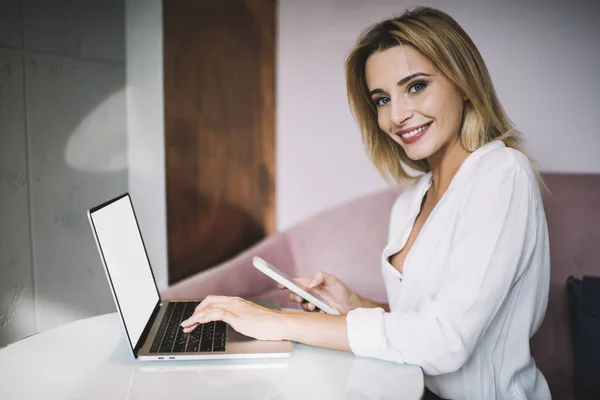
(401, 82)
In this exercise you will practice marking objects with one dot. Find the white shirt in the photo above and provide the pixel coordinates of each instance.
(475, 283)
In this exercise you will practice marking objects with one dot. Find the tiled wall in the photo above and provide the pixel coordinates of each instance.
(63, 149)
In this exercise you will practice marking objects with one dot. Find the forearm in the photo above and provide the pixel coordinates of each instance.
(316, 329)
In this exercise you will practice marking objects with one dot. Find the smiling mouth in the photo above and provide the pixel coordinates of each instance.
(414, 132)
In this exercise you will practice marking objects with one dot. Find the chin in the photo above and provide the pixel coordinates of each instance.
(418, 153)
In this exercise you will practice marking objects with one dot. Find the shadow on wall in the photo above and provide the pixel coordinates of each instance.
(99, 142)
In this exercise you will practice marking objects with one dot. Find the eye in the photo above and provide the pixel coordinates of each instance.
(381, 101)
(417, 87)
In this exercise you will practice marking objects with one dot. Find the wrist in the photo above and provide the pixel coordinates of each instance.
(356, 301)
(288, 325)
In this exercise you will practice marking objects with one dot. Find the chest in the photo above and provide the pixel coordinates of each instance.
(397, 260)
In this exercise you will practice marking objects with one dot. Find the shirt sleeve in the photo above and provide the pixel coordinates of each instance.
(492, 240)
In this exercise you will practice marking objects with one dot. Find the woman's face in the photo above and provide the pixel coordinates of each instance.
(417, 106)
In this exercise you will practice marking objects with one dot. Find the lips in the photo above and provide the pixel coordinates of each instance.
(413, 134)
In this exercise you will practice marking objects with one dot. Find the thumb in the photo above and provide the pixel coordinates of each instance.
(317, 280)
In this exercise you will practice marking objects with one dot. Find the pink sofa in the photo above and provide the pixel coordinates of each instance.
(347, 241)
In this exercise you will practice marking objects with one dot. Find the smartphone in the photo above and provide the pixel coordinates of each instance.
(304, 292)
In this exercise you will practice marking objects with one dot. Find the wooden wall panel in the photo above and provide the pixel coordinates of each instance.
(219, 66)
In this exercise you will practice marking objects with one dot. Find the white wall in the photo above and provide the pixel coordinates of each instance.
(81, 121)
(544, 58)
(145, 128)
(62, 151)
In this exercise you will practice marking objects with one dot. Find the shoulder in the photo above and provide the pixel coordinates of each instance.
(508, 159)
(498, 169)
(497, 163)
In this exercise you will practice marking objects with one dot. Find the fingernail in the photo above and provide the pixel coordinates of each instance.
(311, 283)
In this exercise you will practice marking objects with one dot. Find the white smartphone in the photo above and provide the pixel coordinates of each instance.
(283, 278)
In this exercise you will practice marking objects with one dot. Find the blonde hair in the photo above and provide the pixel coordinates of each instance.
(440, 39)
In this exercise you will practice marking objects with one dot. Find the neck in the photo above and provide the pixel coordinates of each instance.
(444, 165)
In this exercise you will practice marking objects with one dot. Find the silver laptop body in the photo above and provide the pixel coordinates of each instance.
(131, 280)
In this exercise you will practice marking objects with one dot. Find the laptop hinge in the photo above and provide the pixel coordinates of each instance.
(147, 328)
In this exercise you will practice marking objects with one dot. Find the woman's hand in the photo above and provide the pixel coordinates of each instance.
(245, 317)
(330, 289)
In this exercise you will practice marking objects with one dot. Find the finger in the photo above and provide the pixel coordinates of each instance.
(308, 306)
(212, 314)
(295, 298)
(280, 286)
(195, 324)
(199, 312)
(190, 328)
(224, 302)
(303, 281)
(193, 320)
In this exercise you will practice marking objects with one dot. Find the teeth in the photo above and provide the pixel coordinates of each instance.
(414, 132)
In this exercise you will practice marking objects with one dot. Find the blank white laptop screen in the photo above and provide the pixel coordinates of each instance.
(125, 257)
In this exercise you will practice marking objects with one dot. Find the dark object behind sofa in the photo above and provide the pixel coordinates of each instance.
(584, 310)
(573, 214)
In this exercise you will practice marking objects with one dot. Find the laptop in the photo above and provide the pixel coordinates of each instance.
(152, 325)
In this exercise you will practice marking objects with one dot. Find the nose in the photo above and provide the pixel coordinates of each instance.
(400, 112)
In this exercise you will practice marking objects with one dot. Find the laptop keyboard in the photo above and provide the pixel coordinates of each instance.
(170, 337)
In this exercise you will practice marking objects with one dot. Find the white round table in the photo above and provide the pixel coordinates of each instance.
(90, 359)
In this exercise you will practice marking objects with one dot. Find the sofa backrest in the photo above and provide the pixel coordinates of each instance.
(573, 214)
(346, 241)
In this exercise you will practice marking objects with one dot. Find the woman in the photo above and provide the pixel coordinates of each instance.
(466, 267)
